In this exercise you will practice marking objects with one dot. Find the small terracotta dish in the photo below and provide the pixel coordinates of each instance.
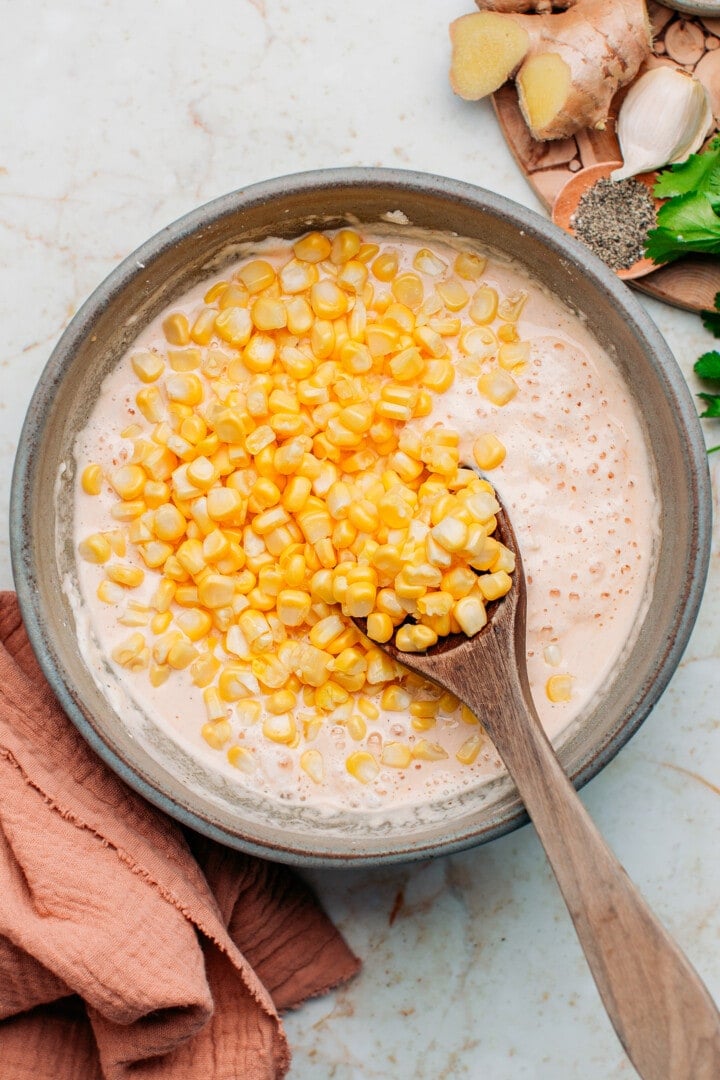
(571, 193)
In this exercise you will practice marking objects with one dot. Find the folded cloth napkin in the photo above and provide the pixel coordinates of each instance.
(129, 948)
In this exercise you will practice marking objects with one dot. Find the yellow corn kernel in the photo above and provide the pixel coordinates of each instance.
(158, 674)
(281, 701)
(156, 493)
(363, 766)
(148, 366)
(470, 266)
(314, 247)
(127, 650)
(427, 751)
(235, 326)
(194, 623)
(458, 582)
(359, 599)
(497, 386)
(280, 729)
(217, 733)
(436, 603)
(231, 686)
(493, 586)
(488, 451)
(268, 314)
(181, 655)
(216, 591)
(203, 671)
(91, 479)
(396, 754)
(425, 709)
(483, 306)
(427, 262)
(408, 289)
(128, 511)
(232, 294)
(242, 758)
(395, 698)
(95, 548)
(299, 315)
(470, 749)
(128, 481)
(150, 404)
(186, 595)
(353, 276)
(407, 365)
(385, 266)
(160, 622)
(368, 708)
(451, 533)
(256, 275)
(311, 762)
(176, 329)
(470, 614)
(256, 629)
(424, 404)
(293, 606)
(513, 354)
(155, 553)
(248, 711)
(453, 294)
(330, 695)
(185, 359)
(415, 638)
(184, 388)
(297, 276)
(127, 576)
(328, 300)
(345, 245)
(169, 524)
(559, 688)
(225, 504)
(296, 493)
(163, 595)
(438, 375)
(379, 627)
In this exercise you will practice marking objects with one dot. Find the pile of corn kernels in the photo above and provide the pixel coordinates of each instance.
(287, 476)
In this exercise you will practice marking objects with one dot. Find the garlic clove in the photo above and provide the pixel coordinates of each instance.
(663, 119)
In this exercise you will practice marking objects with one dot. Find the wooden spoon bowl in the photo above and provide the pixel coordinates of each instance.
(569, 196)
(658, 1005)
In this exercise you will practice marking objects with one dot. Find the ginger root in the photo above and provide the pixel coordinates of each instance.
(567, 65)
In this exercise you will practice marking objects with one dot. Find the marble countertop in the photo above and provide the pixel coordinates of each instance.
(125, 116)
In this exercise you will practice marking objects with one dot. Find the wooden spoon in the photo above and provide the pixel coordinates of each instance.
(659, 1007)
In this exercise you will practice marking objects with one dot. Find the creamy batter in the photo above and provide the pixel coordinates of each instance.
(578, 487)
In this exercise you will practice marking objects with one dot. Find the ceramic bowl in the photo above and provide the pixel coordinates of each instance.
(197, 246)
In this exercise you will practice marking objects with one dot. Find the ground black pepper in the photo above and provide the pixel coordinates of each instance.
(613, 219)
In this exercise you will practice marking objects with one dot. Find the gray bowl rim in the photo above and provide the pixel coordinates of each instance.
(305, 183)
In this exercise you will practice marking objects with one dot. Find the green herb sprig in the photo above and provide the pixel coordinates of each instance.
(689, 222)
(707, 367)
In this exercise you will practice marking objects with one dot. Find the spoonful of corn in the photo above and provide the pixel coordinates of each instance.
(658, 1005)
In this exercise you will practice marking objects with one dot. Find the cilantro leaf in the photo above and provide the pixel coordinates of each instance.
(713, 405)
(700, 173)
(685, 224)
(708, 366)
(690, 219)
(711, 319)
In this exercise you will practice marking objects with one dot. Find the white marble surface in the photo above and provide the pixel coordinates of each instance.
(117, 118)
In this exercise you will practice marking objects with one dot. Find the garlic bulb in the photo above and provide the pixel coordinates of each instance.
(663, 119)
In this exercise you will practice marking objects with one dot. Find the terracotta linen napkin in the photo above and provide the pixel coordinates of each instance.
(129, 948)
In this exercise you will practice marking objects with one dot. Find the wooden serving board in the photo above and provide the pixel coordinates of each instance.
(689, 42)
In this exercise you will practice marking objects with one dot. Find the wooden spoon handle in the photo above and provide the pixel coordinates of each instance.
(661, 1010)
